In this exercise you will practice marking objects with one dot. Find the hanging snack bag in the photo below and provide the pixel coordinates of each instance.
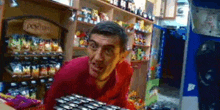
(48, 46)
(14, 44)
(25, 43)
(35, 44)
(35, 68)
(43, 67)
(26, 67)
(55, 46)
(16, 67)
(41, 45)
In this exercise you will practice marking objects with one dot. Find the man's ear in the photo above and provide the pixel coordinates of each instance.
(124, 55)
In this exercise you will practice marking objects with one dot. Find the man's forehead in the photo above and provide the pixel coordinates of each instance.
(105, 40)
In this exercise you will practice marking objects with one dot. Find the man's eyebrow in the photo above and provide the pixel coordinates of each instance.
(93, 41)
(111, 46)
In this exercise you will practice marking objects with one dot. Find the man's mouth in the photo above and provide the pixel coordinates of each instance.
(96, 68)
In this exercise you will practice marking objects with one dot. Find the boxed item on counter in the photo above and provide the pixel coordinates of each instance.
(78, 102)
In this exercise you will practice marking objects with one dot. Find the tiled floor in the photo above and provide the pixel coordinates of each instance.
(168, 96)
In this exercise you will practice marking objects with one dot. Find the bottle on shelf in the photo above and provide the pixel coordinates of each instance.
(122, 4)
(115, 2)
(133, 6)
(129, 5)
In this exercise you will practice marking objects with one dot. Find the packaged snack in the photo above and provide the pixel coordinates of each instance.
(25, 43)
(136, 39)
(52, 69)
(41, 45)
(16, 67)
(95, 15)
(26, 67)
(24, 91)
(33, 89)
(60, 50)
(35, 44)
(35, 68)
(55, 46)
(15, 44)
(43, 67)
(13, 91)
(48, 46)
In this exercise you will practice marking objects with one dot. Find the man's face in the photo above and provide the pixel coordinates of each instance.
(104, 54)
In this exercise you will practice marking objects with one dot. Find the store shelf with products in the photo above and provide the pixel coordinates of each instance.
(135, 25)
(102, 3)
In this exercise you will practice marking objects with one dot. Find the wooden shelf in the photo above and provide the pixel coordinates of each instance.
(144, 46)
(139, 61)
(79, 48)
(53, 4)
(84, 23)
(142, 31)
(31, 55)
(101, 3)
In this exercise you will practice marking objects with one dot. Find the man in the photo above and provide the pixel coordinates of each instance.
(104, 75)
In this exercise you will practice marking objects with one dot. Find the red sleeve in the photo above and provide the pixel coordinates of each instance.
(122, 98)
(56, 90)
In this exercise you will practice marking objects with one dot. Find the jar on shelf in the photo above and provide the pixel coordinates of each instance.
(122, 4)
(129, 4)
(133, 7)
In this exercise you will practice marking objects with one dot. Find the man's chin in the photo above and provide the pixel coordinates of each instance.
(93, 73)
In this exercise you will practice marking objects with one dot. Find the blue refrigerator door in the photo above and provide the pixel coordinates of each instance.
(201, 72)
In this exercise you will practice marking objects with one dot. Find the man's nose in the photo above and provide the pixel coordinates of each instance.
(99, 55)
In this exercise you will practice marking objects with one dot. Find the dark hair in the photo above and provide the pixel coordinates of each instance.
(111, 29)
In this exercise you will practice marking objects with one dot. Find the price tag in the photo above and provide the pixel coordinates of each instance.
(42, 80)
(50, 79)
(33, 82)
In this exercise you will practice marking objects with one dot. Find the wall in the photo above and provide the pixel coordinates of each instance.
(180, 20)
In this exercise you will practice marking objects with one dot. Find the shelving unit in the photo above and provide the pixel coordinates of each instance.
(116, 13)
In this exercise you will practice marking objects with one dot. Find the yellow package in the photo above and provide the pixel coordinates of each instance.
(142, 24)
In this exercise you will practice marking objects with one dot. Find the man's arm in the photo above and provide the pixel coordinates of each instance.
(57, 90)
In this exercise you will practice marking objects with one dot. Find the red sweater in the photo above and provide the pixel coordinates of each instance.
(74, 78)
